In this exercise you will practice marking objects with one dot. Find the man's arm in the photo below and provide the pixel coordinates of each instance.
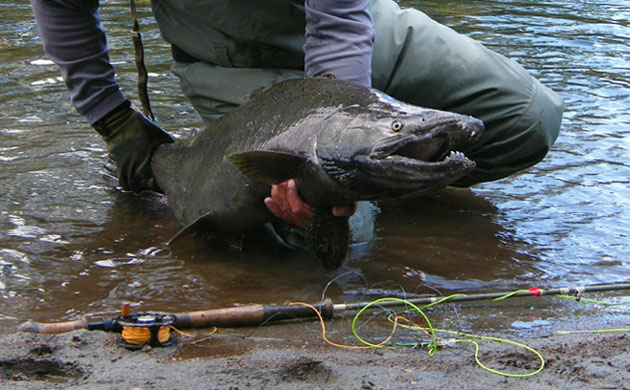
(339, 40)
(74, 39)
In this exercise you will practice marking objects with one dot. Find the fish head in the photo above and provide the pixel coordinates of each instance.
(395, 150)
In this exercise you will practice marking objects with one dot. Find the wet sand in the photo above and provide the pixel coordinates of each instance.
(237, 359)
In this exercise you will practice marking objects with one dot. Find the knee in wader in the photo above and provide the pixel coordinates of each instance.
(521, 143)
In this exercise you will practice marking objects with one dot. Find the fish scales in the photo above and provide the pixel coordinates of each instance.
(341, 142)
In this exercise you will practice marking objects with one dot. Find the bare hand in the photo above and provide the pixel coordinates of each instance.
(286, 204)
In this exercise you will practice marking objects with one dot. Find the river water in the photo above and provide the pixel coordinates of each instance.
(70, 244)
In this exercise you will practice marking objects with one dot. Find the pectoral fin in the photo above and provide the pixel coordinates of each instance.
(269, 167)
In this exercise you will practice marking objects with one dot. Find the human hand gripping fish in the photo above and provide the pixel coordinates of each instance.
(286, 204)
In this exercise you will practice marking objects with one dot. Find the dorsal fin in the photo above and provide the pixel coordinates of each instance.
(256, 91)
(327, 75)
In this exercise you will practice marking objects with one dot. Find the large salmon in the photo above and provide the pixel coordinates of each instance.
(341, 142)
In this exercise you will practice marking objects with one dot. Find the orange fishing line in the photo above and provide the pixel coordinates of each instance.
(325, 338)
(138, 335)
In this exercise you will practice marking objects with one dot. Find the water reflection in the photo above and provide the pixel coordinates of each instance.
(124, 258)
(69, 244)
(453, 240)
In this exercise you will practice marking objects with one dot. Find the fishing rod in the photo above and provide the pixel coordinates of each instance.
(255, 315)
(531, 292)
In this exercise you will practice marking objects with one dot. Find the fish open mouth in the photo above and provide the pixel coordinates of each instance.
(408, 163)
(431, 149)
(429, 152)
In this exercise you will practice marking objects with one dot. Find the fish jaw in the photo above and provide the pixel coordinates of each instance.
(397, 176)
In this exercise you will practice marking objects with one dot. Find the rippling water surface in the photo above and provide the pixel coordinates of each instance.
(69, 244)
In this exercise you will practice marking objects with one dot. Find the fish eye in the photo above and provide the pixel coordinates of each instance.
(397, 125)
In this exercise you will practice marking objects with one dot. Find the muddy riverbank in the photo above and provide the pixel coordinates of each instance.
(94, 360)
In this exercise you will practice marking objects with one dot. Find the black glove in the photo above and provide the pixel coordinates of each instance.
(131, 140)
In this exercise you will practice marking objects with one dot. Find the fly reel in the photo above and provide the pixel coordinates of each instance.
(140, 329)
